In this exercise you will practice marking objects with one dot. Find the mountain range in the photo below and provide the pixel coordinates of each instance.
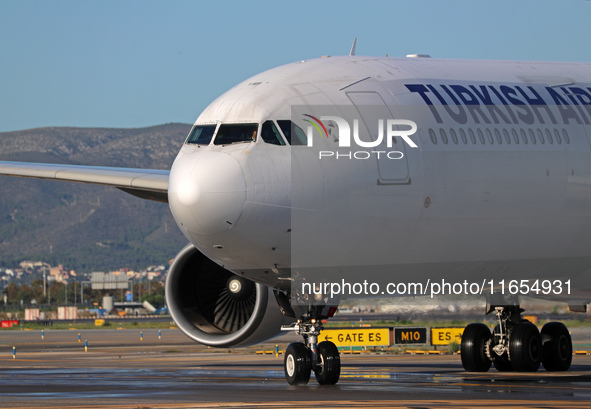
(84, 227)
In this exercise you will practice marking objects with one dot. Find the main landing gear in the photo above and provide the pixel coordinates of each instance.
(516, 344)
(302, 358)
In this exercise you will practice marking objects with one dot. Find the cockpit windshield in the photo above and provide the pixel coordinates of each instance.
(228, 134)
(293, 133)
(234, 133)
(201, 134)
(270, 134)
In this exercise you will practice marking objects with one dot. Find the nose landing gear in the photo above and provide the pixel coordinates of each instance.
(302, 358)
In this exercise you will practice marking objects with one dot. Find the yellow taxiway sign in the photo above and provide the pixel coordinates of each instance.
(357, 336)
(445, 336)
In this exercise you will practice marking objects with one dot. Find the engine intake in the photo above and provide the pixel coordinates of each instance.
(215, 307)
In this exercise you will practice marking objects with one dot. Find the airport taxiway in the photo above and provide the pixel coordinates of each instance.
(121, 371)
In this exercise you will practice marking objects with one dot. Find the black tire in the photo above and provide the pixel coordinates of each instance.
(328, 370)
(525, 347)
(557, 347)
(474, 358)
(297, 364)
(502, 365)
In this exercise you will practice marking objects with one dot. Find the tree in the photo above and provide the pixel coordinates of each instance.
(24, 294)
(56, 293)
(11, 292)
(155, 295)
(37, 291)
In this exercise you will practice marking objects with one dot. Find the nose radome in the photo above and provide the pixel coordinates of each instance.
(206, 192)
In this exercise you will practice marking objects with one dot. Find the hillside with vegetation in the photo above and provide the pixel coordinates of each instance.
(85, 227)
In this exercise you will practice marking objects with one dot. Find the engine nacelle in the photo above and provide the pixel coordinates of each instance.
(215, 307)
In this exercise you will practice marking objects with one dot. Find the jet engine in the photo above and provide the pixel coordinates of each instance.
(216, 307)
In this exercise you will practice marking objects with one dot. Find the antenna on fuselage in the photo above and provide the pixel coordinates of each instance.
(352, 52)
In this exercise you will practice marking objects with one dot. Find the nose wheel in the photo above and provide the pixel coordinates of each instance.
(328, 367)
(301, 359)
(297, 364)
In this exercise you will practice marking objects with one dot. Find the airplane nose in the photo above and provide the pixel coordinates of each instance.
(206, 192)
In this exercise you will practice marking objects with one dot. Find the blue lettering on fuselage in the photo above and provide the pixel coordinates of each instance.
(506, 104)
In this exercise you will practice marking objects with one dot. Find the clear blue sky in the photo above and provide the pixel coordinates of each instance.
(139, 63)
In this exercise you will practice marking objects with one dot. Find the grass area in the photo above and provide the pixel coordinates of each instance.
(580, 322)
(114, 324)
(571, 323)
(402, 323)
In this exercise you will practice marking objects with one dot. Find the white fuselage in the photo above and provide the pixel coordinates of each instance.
(475, 199)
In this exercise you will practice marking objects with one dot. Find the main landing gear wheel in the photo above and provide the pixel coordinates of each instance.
(328, 368)
(297, 364)
(525, 347)
(557, 347)
(472, 348)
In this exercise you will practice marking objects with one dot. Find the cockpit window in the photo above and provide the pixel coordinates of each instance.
(201, 134)
(234, 133)
(293, 133)
(270, 134)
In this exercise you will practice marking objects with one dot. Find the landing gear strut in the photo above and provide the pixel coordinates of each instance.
(515, 344)
(301, 358)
